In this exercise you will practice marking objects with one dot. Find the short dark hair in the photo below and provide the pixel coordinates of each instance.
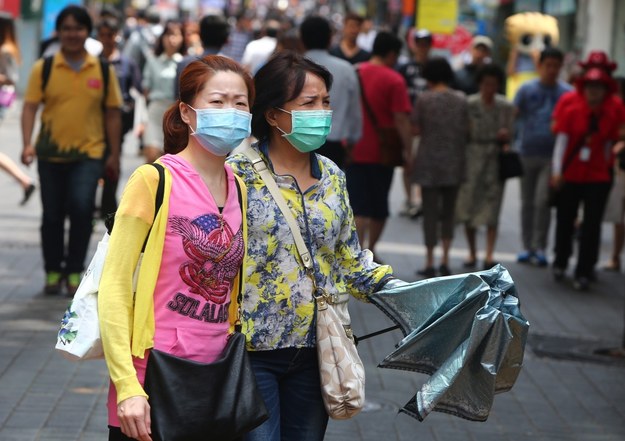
(385, 43)
(437, 70)
(109, 23)
(353, 16)
(551, 52)
(490, 70)
(279, 81)
(214, 31)
(79, 13)
(315, 33)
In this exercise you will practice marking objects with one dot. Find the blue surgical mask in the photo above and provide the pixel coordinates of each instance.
(219, 131)
(309, 129)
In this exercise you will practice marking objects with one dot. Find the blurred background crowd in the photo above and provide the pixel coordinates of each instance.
(479, 77)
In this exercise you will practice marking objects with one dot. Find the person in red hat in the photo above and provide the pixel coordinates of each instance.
(596, 59)
(586, 129)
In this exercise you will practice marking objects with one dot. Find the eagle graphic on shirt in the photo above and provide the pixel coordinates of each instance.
(215, 255)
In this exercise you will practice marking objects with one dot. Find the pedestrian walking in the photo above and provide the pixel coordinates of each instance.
(348, 48)
(240, 36)
(214, 32)
(615, 207)
(9, 62)
(129, 78)
(420, 44)
(384, 99)
(158, 84)
(583, 159)
(491, 118)
(258, 51)
(291, 119)
(535, 102)
(69, 151)
(316, 35)
(195, 248)
(466, 77)
(440, 118)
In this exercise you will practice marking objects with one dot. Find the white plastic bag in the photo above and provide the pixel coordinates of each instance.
(79, 336)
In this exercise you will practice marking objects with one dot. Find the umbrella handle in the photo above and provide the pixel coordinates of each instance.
(376, 333)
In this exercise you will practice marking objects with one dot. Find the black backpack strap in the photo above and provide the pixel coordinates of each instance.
(105, 69)
(160, 193)
(46, 71)
(109, 221)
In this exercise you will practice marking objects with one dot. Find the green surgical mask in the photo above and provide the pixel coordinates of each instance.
(309, 129)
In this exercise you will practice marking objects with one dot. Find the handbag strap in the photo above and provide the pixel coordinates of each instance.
(321, 296)
(259, 165)
(365, 103)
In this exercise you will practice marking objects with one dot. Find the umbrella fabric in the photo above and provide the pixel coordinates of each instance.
(465, 331)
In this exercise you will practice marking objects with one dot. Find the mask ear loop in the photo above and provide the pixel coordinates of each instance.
(282, 131)
(189, 125)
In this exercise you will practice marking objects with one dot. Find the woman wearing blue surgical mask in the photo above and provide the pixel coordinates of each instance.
(291, 118)
(184, 302)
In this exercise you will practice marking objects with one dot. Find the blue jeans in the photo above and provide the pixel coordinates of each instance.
(289, 382)
(67, 189)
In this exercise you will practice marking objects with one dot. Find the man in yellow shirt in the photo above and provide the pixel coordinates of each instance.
(78, 118)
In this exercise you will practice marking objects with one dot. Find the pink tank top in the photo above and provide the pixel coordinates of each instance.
(202, 255)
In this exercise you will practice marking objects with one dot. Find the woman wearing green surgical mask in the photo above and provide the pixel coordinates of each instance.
(291, 118)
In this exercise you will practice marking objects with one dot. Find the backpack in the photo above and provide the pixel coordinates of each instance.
(47, 70)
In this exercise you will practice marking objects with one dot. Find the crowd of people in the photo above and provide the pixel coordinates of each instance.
(452, 127)
(319, 110)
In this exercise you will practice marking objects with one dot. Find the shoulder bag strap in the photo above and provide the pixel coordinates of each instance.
(237, 324)
(365, 102)
(260, 166)
(569, 158)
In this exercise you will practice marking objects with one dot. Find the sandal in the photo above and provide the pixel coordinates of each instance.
(613, 265)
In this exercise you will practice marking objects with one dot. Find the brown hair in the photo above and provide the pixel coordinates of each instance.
(192, 81)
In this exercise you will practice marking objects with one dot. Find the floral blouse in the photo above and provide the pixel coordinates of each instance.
(278, 306)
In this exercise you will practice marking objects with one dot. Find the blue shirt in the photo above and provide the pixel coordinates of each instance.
(535, 103)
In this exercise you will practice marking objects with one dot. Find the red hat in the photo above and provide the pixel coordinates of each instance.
(598, 59)
(599, 75)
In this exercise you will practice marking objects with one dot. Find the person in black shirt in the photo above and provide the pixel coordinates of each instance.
(347, 49)
(466, 77)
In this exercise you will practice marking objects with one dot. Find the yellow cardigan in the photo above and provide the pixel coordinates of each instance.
(126, 319)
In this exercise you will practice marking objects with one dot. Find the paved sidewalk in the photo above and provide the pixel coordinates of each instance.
(566, 394)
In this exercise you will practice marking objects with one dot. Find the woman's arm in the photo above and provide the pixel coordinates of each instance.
(116, 296)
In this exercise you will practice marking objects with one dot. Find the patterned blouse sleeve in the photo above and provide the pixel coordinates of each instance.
(362, 275)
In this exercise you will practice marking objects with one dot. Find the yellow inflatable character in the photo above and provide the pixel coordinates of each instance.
(528, 33)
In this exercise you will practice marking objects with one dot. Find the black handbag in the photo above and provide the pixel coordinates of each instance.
(192, 401)
(510, 165)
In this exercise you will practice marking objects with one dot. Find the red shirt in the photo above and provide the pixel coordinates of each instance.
(386, 93)
(574, 121)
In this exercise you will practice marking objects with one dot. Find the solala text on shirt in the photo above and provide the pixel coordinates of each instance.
(189, 307)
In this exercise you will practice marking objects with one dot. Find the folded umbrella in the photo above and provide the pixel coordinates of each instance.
(466, 331)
